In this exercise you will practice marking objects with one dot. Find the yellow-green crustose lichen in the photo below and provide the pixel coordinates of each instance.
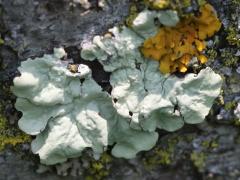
(99, 169)
(229, 59)
(210, 144)
(133, 12)
(230, 105)
(10, 135)
(164, 155)
(237, 123)
(233, 37)
(198, 160)
(172, 4)
(211, 53)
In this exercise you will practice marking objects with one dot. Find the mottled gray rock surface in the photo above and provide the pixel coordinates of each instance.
(210, 150)
(36, 26)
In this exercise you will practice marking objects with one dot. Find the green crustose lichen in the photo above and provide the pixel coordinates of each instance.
(210, 144)
(98, 169)
(230, 105)
(10, 135)
(211, 53)
(198, 160)
(233, 37)
(161, 156)
(229, 59)
(133, 12)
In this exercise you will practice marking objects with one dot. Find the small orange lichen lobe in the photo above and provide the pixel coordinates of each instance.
(174, 47)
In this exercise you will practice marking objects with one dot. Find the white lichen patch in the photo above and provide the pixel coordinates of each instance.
(145, 23)
(69, 112)
(115, 52)
(152, 100)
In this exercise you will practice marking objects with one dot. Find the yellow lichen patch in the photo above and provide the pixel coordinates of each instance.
(158, 4)
(178, 5)
(10, 135)
(174, 47)
(19, 139)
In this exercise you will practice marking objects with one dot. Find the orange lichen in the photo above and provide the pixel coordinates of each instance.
(174, 47)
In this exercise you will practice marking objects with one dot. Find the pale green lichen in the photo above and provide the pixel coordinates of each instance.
(145, 96)
(69, 112)
(145, 23)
